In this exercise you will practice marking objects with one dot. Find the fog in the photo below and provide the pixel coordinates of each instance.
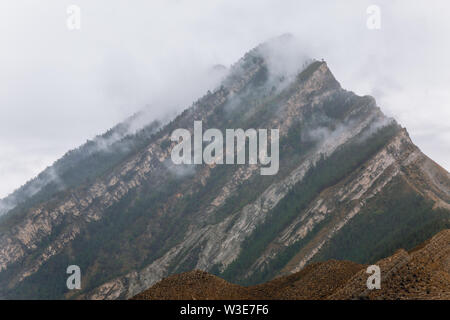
(60, 87)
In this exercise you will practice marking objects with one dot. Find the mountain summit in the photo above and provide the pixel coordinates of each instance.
(351, 185)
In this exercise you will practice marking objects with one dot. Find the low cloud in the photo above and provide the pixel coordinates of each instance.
(179, 170)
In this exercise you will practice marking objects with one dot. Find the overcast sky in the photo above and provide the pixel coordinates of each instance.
(60, 87)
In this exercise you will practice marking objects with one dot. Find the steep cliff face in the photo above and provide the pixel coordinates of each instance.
(342, 165)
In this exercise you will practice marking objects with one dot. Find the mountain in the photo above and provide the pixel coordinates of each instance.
(423, 273)
(351, 186)
(85, 163)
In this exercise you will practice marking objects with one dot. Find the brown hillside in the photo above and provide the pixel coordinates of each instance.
(193, 285)
(423, 273)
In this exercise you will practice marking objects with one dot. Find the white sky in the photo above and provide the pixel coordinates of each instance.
(60, 87)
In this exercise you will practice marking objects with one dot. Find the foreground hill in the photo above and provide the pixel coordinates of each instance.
(351, 186)
(423, 273)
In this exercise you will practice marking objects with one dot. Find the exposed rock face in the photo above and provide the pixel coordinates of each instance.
(144, 219)
(423, 273)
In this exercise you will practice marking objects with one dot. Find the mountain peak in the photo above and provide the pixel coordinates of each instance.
(128, 209)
